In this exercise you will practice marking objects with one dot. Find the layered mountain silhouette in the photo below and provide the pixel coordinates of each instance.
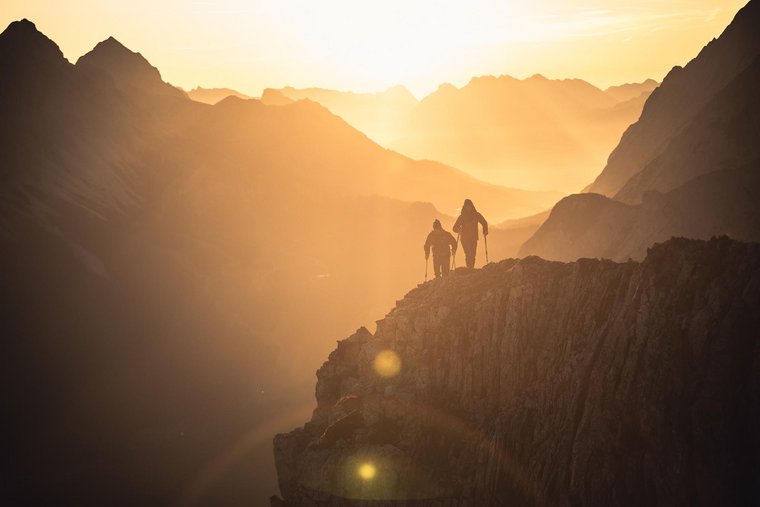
(130, 71)
(214, 95)
(630, 91)
(164, 259)
(499, 129)
(535, 133)
(688, 167)
(378, 115)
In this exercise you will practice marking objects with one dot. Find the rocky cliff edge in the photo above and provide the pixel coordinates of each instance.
(546, 383)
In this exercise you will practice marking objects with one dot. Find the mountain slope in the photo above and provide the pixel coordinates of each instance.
(130, 71)
(683, 93)
(539, 383)
(376, 114)
(702, 183)
(164, 259)
(722, 135)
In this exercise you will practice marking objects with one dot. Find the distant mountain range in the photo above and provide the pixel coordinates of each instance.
(689, 167)
(378, 115)
(630, 91)
(214, 95)
(534, 133)
(531, 133)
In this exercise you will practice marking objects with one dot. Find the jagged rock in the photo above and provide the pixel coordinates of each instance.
(537, 382)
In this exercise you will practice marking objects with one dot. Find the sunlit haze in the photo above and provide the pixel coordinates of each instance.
(363, 46)
(405, 252)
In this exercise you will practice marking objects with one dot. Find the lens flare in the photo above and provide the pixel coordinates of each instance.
(367, 471)
(387, 364)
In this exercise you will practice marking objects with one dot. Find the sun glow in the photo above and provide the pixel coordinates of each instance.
(387, 364)
(367, 471)
(366, 46)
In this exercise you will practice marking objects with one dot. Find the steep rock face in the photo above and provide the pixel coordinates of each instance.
(722, 136)
(536, 382)
(702, 182)
(683, 93)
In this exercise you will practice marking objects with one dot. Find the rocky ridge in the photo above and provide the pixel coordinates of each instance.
(544, 383)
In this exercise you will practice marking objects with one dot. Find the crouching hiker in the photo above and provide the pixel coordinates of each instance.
(443, 245)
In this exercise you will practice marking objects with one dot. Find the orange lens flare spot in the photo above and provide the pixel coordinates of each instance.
(367, 471)
(387, 364)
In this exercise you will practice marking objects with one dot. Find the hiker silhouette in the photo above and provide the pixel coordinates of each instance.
(467, 228)
(443, 245)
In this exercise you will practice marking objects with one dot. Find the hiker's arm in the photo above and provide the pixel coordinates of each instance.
(427, 247)
(453, 243)
(484, 224)
(457, 224)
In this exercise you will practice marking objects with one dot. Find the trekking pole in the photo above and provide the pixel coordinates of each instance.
(485, 237)
(426, 268)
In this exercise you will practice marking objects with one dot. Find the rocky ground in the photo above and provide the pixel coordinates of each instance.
(546, 383)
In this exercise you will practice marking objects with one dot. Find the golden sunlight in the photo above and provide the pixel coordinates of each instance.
(252, 44)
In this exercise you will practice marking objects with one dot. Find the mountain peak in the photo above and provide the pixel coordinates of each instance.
(110, 49)
(22, 24)
(21, 42)
(111, 41)
(129, 69)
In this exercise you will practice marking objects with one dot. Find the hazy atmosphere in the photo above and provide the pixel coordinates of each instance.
(423, 253)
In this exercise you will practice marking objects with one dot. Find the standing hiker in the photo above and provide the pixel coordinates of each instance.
(443, 244)
(467, 227)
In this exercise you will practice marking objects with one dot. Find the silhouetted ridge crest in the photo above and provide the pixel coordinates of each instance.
(683, 92)
(129, 70)
(22, 45)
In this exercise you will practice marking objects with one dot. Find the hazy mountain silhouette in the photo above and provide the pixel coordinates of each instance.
(630, 91)
(163, 260)
(531, 133)
(213, 95)
(376, 114)
(273, 97)
(130, 71)
(701, 178)
(681, 96)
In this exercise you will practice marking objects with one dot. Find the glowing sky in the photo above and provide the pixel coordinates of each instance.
(360, 45)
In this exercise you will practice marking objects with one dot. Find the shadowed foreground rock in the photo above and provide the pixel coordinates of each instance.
(536, 382)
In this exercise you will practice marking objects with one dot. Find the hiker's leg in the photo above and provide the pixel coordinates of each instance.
(437, 266)
(470, 246)
(445, 264)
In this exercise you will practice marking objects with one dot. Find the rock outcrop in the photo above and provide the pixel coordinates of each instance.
(537, 382)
